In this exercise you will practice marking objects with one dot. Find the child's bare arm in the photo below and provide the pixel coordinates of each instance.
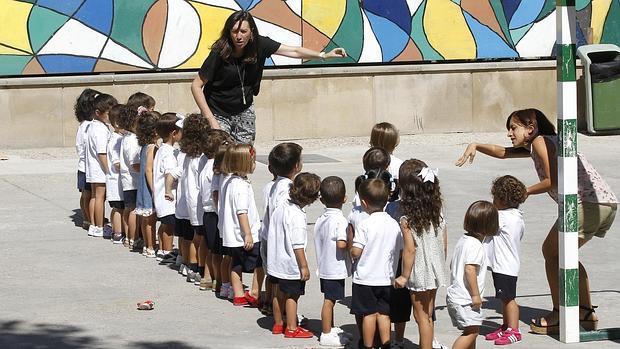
(472, 282)
(356, 252)
(300, 255)
(546, 153)
(103, 160)
(341, 244)
(408, 255)
(148, 168)
(244, 224)
(350, 235)
(169, 182)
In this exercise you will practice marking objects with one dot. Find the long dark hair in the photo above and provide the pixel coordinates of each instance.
(420, 201)
(224, 46)
(84, 107)
(533, 117)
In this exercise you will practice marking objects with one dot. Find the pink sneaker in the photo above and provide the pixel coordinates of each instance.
(510, 336)
(495, 334)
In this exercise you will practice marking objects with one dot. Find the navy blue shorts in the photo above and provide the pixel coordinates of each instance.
(505, 286)
(119, 205)
(212, 234)
(290, 287)
(400, 305)
(183, 228)
(81, 182)
(130, 196)
(167, 220)
(332, 289)
(370, 299)
(247, 260)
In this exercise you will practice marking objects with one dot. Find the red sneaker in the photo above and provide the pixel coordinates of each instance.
(252, 301)
(277, 329)
(495, 334)
(298, 332)
(240, 301)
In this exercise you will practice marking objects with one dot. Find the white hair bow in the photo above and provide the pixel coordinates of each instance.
(180, 120)
(428, 174)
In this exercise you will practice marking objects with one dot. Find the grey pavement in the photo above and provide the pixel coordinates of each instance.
(62, 289)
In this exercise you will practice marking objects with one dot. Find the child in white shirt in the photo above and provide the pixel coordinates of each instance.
(240, 222)
(464, 295)
(84, 111)
(97, 161)
(386, 136)
(330, 241)
(503, 252)
(114, 190)
(287, 240)
(129, 170)
(376, 247)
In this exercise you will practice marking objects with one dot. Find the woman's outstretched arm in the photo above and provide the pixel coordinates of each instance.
(302, 52)
(493, 150)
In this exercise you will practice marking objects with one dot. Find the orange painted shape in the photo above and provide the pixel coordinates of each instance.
(410, 53)
(154, 28)
(276, 12)
(483, 12)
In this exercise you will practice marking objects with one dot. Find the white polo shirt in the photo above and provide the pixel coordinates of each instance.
(381, 240)
(237, 198)
(80, 144)
(394, 166)
(113, 188)
(190, 185)
(181, 211)
(331, 227)
(262, 234)
(506, 245)
(205, 181)
(278, 194)
(468, 250)
(164, 163)
(97, 137)
(130, 155)
(288, 232)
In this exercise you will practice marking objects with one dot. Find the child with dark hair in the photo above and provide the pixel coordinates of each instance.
(386, 136)
(210, 250)
(469, 262)
(141, 102)
(114, 190)
(503, 252)
(164, 193)
(98, 134)
(147, 139)
(287, 242)
(130, 170)
(84, 111)
(376, 246)
(239, 222)
(330, 241)
(420, 214)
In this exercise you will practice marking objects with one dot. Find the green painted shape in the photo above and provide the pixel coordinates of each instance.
(567, 132)
(42, 24)
(517, 34)
(569, 287)
(581, 4)
(566, 62)
(328, 48)
(419, 36)
(605, 334)
(498, 9)
(127, 25)
(548, 7)
(568, 214)
(348, 34)
(565, 2)
(13, 64)
(611, 29)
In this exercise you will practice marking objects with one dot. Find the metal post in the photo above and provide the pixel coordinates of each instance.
(567, 171)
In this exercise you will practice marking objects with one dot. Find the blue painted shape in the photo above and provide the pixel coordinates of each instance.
(396, 11)
(254, 3)
(269, 62)
(581, 39)
(244, 4)
(391, 37)
(488, 43)
(96, 14)
(510, 6)
(66, 7)
(58, 64)
(526, 13)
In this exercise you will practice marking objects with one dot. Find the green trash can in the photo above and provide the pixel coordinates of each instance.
(601, 70)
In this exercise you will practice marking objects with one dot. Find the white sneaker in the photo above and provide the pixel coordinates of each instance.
(437, 345)
(302, 320)
(331, 339)
(98, 232)
(91, 230)
(182, 269)
(342, 333)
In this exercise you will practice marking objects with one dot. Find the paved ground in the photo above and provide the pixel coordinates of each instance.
(62, 289)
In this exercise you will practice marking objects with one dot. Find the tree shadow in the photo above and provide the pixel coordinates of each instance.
(526, 314)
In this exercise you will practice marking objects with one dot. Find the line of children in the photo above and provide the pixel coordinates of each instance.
(202, 194)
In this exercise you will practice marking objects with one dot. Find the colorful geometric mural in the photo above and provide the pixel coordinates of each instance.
(84, 36)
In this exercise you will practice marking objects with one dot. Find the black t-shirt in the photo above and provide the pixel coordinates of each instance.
(223, 89)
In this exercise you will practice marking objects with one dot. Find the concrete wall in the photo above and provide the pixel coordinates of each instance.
(304, 103)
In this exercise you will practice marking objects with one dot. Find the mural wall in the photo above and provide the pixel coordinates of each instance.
(84, 36)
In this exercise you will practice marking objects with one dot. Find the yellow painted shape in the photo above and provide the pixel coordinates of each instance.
(599, 13)
(325, 15)
(447, 30)
(212, 21)
(11, 51)
(14, 27)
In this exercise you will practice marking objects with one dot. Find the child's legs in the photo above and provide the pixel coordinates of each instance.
(91, 205)
(467, 340)
(291, 311)
(202, 251)
(399, 331)
(194, 244)
(422, 312)
(369, 325)
(116, 220)
(166, 237)
(98, 207)
(148, 231)
(184, 247)
(131, 222)
(216, 273)
(510, 311)
(327, 315)
(257, 282)
(384, 324)
(225, 269)
(84, 204)
(277, 304)
(236, 281)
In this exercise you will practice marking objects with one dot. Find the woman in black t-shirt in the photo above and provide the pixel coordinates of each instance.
(230, 77)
